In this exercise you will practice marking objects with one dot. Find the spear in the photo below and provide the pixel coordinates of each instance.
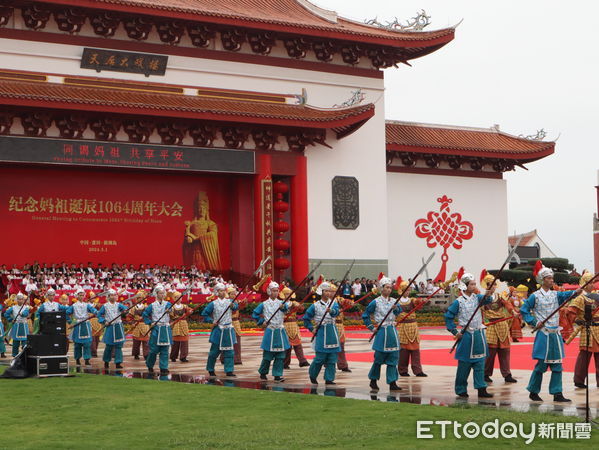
(541, 324)
(498, 321)
(332, 300)
(495, 278)
(412, 280)
(262, 264)
(419, 307)
(306, 278)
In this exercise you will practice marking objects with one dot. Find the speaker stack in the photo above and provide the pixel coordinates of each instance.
(47, 350)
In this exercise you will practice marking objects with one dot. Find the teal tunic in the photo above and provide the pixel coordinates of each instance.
(114, 334)
(275, 339)
(223, 337)
(327, 338)
(18, 330)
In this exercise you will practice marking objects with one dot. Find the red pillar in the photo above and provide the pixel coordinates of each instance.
(299, 220)
(263, 171)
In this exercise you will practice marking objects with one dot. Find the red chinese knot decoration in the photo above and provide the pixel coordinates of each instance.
(445, 229)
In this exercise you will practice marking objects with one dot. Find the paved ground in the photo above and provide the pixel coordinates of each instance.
(437, 388)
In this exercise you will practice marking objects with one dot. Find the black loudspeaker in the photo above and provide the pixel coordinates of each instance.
(53, 322)
(47, 345)
(48, 366)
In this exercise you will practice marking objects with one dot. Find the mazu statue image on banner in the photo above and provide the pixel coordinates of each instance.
(200, 244)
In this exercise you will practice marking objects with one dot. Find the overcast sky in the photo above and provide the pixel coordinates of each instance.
(524, 65)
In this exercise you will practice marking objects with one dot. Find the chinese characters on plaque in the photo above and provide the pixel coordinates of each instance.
(117, 61)
(267, 225)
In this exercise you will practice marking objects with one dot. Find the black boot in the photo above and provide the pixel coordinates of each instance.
(184, 360)
(330, 383)
(482, 393)
(373, 385)
(559, 397)
(488, 379)
(164, 372)
(347, 369)
(106, 365)
(313, 380)
(136, 357)
(263, 377)
(212, 374)
(173, 359)
(119, 366)
(580, 385)
(2, 355)
(535, 397)
(404, 374)
(421, 374)
(463, 395)
(394, 387)
(304, 364)
(279, 379)
(87, 363)
(78, 362)
(510, 379)
(230, 374)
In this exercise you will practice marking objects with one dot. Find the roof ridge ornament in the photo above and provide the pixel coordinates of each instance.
(541, 134)
(356, 98)
(326, 14)
(417, 23)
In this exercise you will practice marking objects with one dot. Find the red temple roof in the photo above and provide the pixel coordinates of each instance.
(450, 140)
(297, 17)
(125, 98)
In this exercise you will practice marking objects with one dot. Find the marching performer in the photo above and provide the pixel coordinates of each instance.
(498, 334)
(409, 335)
(50, 305)
(241, 303)
(275, 341)
(386, 342)
(326, 343)
(161, 336)
(17, 315)
(81, 332)
(114, 334)
(222, 336)
(139, 332)
(344, 304)
(548, 348)
(517, 296)
(587, 349)
(97, 327)
(472, 346)
(180, 347)
(293, 331)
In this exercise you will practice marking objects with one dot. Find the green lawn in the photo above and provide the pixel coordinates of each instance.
(109, 412)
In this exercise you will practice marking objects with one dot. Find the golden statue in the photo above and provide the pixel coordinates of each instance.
(200, 245)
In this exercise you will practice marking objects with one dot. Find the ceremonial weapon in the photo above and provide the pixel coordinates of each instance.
(401, 295)
(166, 311)
(498, 321)
(306, 278)
(332, 300)
(495, 278)
(419, 307)
(230, 305)
(358, 301)
(541, 324)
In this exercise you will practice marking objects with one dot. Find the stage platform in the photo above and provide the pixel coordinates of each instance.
(436, 389)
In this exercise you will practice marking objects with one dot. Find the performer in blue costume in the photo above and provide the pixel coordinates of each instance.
(2, 346)
(49, 304)
(548, 348)
(161, 336)
(472, 348)
(326, 344)
(275, 341)
(114, 334)
(386, 344)
(222, 336)
(17, 315)
(81, 333)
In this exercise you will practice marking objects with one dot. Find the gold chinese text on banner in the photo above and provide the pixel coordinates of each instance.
(267, 225)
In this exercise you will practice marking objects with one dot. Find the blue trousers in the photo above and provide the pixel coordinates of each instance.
(536, 377)
(277, 366)
(84, 350)
(118, 353)
(329, 360)
(463, 372)
(158, 350)
(391, 359)
(228, 356)
(2, 346)
(15, 346)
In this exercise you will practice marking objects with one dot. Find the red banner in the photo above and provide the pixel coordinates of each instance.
(123, 217)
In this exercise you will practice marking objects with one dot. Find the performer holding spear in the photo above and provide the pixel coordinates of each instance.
(539, 310)
(18, 328)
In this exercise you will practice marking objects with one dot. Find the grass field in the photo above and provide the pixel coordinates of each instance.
(109, 412)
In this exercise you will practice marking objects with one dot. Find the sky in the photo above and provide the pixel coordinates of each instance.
(524, 65)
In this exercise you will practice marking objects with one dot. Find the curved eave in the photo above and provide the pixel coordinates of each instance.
(341, 125)
(520, 156)
(404, 40)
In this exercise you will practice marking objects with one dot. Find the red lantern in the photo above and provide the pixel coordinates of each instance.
(281, 226)
(281, 245)
(281, 263)
(281, 206)
(280, 188)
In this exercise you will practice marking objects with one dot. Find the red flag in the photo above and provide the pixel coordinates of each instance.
(319, 281)
(398, 283)
(538, 266)
(265, 284)
(381, 275)
(460, 273)
(483, 274)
